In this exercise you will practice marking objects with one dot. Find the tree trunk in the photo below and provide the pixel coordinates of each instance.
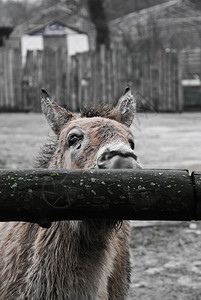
(98, 17)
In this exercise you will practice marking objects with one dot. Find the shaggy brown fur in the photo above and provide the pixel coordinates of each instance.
(72, 260)
(104, 111)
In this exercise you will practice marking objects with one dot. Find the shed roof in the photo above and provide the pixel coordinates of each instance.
(59, 14)
(177, 21)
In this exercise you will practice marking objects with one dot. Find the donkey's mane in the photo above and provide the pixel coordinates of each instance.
(104, 111)
(46, 153)
(48, 149)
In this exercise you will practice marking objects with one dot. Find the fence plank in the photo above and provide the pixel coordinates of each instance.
(2, 105)
(17, 75)
(9, 79)
(42, 196)
(28, 82)
(160, 81)
(179, 86)
(102, 70)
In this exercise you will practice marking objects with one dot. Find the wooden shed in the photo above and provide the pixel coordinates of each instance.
(191, 78)
(174, 25)
(59, 22)
(33, 51)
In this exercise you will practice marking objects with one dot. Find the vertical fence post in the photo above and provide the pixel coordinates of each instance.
(180, 88)
(103, 73)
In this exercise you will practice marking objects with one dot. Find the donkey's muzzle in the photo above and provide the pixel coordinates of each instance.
(117, 160)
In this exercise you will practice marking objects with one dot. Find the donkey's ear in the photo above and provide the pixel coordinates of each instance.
(126, 108)
(56, 116)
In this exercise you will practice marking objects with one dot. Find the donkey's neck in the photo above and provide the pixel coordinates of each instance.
(69, 257)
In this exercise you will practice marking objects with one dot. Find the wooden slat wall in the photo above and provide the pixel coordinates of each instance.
(2, 79)
(91, 77)
(10, 79)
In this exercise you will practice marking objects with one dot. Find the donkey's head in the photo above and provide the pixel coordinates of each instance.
(94, 139)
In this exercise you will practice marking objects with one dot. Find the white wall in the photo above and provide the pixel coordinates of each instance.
(31, 42)
(77, 43)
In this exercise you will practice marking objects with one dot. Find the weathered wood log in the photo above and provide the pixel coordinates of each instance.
(196, 179)
(43, 196)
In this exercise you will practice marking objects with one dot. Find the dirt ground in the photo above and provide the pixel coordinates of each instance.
(165, 256)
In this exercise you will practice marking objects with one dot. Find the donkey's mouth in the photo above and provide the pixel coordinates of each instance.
(111, 154)
(118, 160)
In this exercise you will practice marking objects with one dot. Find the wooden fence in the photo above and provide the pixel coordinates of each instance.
(10, 79)
(91, 77)
(43, 196)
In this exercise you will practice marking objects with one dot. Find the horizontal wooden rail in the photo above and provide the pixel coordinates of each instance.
(43, 196)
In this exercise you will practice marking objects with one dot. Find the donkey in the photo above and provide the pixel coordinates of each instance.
(74, 260)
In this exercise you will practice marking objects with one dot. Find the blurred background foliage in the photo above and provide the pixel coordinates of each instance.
(15, 12)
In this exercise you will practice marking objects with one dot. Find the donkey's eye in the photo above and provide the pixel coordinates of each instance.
(74, 137)
(131, 141)
(132, 144)
(72, 140)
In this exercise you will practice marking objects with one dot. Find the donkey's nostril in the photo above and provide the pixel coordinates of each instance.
(102, 166)
(101, 161)
(104, 157)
